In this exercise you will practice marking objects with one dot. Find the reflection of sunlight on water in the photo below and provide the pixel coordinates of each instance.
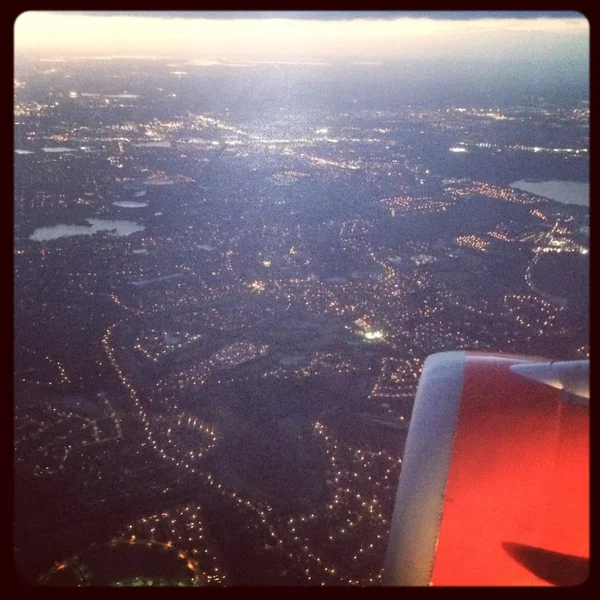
(58, 149)
(130, 204)
(42, 234)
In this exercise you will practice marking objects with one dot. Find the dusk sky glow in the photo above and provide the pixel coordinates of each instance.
(310, 37)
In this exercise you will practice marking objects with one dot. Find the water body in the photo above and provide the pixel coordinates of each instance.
(567, 192)
(59, 149)
(117, 228)
(130, 204)
(153, 145)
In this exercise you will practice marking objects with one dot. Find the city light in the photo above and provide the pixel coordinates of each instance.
(373, 335)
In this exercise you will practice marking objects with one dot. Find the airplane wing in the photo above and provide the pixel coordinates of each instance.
(494, 488)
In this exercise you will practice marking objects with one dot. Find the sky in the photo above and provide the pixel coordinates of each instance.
(312, 36)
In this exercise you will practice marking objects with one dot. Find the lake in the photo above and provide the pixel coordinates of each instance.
(59, 149)
(153, 145)
(121, 228)
(567, 192)
(130, 204)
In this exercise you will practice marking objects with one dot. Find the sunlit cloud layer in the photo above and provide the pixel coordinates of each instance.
(76, 34)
